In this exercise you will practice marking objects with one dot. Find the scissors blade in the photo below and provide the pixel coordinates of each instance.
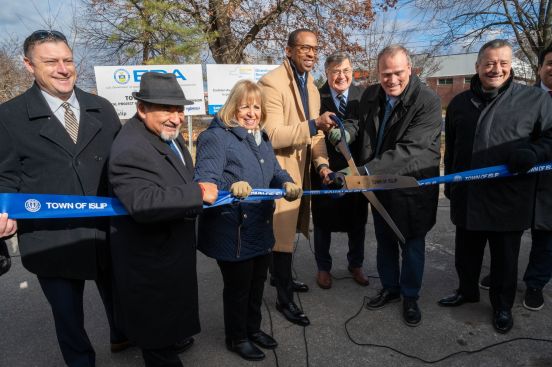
(344, 149)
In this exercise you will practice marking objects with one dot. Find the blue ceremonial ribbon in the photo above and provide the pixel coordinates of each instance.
(38, 206)
(33, 206)
(486, 173)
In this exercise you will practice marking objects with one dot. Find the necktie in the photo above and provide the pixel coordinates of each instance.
(302, 81)
(342, 105)
(71, 123)
(175, 149)
(386, 115)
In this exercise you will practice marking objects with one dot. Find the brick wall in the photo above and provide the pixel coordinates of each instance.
(447, 91)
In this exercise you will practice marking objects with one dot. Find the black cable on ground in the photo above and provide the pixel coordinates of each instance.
(271, 331)
(448, 356)
(404, 354)
(301, 305)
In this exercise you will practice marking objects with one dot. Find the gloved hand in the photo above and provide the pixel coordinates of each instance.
(293, 191)
(334, 136)
(347, 171)
(240, 189)
(522, 160)
(337, 181)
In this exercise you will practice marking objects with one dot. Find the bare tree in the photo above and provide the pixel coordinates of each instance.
(230, 29)
(527, 22)
(383, 32)
(14, 78)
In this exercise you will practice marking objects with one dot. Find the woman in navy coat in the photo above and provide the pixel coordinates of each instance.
(235, 154)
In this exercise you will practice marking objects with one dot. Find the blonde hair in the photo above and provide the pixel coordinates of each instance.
(242, 90)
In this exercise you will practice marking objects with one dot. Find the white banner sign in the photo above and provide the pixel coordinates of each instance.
(222, 77)
(116, 84)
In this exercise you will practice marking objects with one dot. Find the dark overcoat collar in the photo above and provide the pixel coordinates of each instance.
(185, 171)
(52, 129)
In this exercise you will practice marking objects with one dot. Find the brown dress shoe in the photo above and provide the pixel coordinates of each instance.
(359, 276)
(324, 279)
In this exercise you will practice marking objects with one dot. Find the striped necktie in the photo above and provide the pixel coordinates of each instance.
(71, 123)
(342, 105)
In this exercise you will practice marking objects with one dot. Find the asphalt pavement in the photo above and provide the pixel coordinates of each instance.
(342, 331)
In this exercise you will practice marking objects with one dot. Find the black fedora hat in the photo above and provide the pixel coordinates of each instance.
(161, 88)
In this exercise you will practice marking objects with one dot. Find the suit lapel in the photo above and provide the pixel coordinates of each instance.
(295, 89)
(189, 168)
(50, 127)
(327, 100)
(89, 126)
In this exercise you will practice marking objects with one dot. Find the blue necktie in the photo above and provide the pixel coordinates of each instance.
(342, 105)
(302, 80)
(386, 115)
(176, 151)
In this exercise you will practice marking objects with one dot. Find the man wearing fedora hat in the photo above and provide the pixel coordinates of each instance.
(153, 249)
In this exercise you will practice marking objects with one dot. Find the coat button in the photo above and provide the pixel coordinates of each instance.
(245, 215)
(262, 160)
(268, 221)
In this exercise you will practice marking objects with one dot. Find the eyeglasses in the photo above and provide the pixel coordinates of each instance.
(343, 72)
(45, 34)
(307, 48)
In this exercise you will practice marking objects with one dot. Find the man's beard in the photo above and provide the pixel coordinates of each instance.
(169, 136)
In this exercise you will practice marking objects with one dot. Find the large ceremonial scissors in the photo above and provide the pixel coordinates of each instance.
(356, 180)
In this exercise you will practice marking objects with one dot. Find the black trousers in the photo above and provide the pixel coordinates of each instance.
(323, 239)
(165, 357)
(243, 295)
(469, 251)
(65, 297)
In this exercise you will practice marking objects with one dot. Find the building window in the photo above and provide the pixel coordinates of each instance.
(444, 81)
(467, 80)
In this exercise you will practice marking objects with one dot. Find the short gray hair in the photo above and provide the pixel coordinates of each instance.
(494, 44)
(392, 50)
(336, 58)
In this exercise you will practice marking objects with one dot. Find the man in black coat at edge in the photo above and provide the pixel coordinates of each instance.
(154, 248)
(497, 121)
(539, 268)
(400, 128)
(55, 139)
(348, 213)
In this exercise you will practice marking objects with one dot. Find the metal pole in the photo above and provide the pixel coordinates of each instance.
(190, 137)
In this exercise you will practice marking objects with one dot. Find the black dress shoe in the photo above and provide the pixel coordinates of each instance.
(293, 313)
(412, 315)
(384, 297)
(263, 340)
(183, 345)
(298, 286)
(503, 321)
(245, 349)
(456, 299)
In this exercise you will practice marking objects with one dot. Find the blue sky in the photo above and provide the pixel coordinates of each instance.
(19, 18)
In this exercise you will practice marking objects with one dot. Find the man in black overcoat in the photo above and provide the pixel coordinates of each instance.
(400, 128)
(497, 121)
(348, 213)
(539, 269)
(154, 248)
(55, 139)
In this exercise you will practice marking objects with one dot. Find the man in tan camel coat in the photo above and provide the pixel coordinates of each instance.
(296, 132)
